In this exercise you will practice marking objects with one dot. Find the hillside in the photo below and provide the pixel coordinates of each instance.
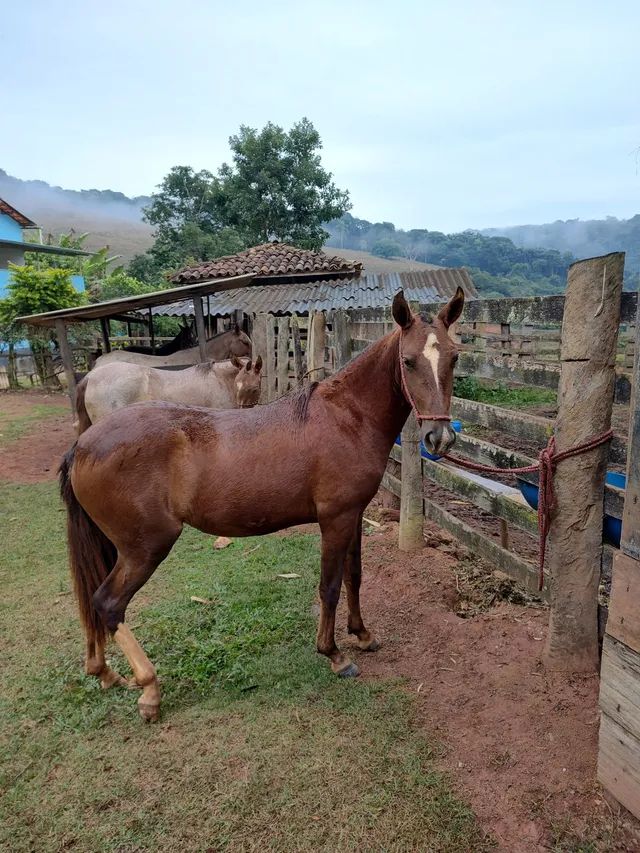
(583, 239)
(112, 218)
(374, 264)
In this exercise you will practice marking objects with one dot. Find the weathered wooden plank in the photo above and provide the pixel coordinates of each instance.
(283, 356)
(297, 350)
(487, 453)
(520, 424)
(619, 763)
(483, 496)
(620, 691)
(537, 310)
(520, 570)
(316, 346)
(624, 613)
(269, 374)
(341, 338)
(630, 542)
(259, 348)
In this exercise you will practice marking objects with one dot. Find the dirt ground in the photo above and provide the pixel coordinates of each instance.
(34, 457)
(519, 742)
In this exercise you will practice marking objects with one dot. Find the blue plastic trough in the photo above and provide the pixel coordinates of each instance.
(611, 528)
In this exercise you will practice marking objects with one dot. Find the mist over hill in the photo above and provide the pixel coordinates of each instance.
(517, 260)
(112, 218)
(583, 238)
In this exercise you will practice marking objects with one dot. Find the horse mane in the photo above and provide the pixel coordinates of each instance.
(300, 402)
(205, 366)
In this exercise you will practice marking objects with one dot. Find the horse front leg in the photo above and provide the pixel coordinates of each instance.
(352, 579)
(337, 534)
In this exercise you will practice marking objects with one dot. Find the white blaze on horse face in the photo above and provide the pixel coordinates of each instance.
(431, 352)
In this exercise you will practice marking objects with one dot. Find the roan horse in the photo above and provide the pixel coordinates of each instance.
(215, 385)
(218, 348)
(315, 455)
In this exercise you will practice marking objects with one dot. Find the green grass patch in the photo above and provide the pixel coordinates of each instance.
(469, 388)
(13, 427)
(260, 747)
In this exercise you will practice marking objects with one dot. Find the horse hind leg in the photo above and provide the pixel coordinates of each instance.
(129, 574)
(96, 664)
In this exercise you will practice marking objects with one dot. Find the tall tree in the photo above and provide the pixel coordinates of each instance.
(276, 187)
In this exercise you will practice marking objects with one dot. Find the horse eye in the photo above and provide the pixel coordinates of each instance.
(456, 357)
(409, 362)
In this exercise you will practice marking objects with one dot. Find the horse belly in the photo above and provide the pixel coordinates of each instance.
(250, 503)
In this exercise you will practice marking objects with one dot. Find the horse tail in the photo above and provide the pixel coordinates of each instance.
(91, 555)
(82, 421)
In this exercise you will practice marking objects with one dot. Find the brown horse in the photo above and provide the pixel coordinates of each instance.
(315, 455)
(218, 348)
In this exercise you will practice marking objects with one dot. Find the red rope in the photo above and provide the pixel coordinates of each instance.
(548, 459)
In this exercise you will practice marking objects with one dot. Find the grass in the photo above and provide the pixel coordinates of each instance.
(260, 747)
(508, 398)
(13, 426)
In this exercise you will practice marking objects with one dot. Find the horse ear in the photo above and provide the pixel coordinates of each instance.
(401, 311)
(453, 309)
(235, 361)
(236, 329)
(247, 366)
(258, 365)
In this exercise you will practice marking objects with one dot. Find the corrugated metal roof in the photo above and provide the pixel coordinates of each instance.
(368, 291)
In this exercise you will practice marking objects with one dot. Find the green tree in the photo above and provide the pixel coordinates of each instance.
(34, 291)
(386, 248)
(276, 187)
(92, 268)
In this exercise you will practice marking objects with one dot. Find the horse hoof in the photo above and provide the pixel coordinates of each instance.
(371, 645)
(112, 679)
(149, 713)
(350, 670)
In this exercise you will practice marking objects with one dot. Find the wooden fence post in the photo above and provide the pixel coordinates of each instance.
(585, 400)
(619, 747)
(297, 350)
(259, 347)
(283, 356)
(411, 535)
(341, 338)
(315, 346)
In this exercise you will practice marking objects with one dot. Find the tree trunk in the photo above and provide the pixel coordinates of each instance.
(12, 369)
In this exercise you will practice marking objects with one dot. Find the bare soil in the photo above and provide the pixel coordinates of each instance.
(34, 456)
(520, 742)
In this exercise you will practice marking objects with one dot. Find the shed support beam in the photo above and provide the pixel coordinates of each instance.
(67, 360)
(104, 325)
(202, 335)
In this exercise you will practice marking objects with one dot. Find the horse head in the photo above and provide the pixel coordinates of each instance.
(240, 344)
(247, 382)
(427, 357)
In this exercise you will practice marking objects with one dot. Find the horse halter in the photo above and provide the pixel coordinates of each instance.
(407, 393)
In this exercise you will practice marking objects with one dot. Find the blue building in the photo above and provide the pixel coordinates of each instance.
(13, 245)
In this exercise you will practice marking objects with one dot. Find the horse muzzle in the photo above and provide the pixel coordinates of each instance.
(438, 437)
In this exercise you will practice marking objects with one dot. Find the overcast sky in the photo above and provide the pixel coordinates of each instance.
(443, 115)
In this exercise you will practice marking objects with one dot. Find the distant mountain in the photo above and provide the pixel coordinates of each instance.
(111, 218)
(584, 239)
